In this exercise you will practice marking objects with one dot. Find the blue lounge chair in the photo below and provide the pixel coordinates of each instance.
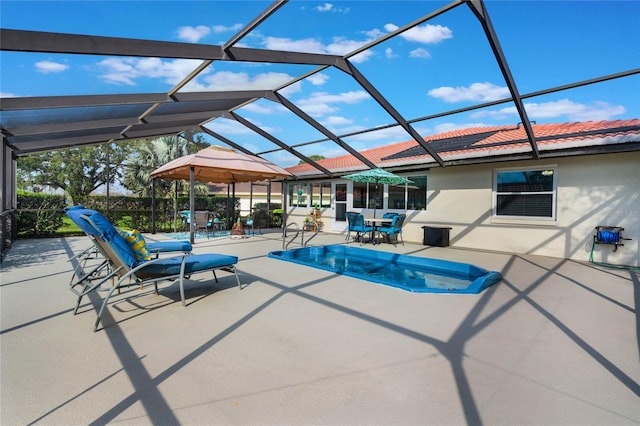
(89, 264)
(131, 270)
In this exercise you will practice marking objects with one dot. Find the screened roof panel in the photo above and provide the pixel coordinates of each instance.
(241, 135)
(443, 64)
(420, 67)
(339, 103)
(279, 121)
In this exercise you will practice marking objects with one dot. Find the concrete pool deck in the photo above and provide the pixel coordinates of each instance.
(554, 343)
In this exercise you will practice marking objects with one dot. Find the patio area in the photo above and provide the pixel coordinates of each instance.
(556, 342)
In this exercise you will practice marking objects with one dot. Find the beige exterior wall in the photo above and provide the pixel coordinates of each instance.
(591, 190)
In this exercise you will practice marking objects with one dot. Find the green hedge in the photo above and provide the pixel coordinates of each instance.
(41, 215)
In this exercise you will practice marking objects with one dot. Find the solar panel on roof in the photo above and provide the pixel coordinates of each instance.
(455, 143)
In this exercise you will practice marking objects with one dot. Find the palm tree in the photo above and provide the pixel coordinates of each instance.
(148, 156)
(151, 154)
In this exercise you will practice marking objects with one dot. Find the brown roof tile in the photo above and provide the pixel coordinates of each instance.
(500, 138)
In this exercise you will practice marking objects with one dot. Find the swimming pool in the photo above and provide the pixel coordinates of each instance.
(411, 273)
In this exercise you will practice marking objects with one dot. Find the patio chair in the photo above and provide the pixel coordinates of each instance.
(253, 222)
(357, 224)
(202, 220)
(394, 229)
(90, 264)
(128, 268)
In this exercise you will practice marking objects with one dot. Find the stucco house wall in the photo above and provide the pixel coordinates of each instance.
(592, 190)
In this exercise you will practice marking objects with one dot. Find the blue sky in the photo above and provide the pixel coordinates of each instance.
(442, 65)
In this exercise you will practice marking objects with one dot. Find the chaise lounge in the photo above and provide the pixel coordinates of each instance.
(90, 264)
(129, 268)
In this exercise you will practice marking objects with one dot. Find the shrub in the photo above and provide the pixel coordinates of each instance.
(39, 215)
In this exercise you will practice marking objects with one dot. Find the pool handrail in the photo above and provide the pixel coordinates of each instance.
(285, 244)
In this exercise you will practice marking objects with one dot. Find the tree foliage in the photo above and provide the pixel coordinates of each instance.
(77, 171)
(147, 156)
(314, 157)
(80, 171)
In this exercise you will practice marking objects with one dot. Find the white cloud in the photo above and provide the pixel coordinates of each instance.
(427, 34)
(307, 45)
(482, 92)
(193, 34)
(388, 52)
(227, 80)
(317, 79)
(334, 120)
(323, 103)
(361, 57)
(420, 53)
(390, 27)
(47, 67)
(339, 46)
(7, 95)
(374, 33)
(351, 97)
(330, 7)
(291, 89)
(228, 127)
(574, 111)
(342, 46)
(128, 70)
(326, 7)
(224, 29)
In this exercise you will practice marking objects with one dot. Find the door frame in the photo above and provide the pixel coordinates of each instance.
(340, 224)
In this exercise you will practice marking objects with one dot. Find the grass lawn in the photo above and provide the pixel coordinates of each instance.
(68, 228)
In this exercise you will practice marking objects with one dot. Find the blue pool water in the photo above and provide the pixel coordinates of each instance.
(411, 273)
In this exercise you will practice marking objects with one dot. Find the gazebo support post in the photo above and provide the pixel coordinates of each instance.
(153, 206)
(192, 201)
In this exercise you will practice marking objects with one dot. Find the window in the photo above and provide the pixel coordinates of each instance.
(528, 193)
(298, 195)
(417, 193)
(397, 197)
(321, 194)
(412, 196)
(359, 195)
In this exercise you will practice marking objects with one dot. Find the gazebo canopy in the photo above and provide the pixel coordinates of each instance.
(216, 164)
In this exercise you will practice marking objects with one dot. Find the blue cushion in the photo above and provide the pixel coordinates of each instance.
(388, 229)
(167, 246)
(194, 263)
(75, 213)
(107, 232)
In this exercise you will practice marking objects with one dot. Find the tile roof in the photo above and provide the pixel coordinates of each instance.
(486, 142)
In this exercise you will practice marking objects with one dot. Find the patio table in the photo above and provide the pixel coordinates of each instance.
(376, 223)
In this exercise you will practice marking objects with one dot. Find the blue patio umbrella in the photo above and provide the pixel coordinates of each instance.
(377, 176)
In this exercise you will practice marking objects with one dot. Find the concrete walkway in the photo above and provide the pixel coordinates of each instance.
(555, 343)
